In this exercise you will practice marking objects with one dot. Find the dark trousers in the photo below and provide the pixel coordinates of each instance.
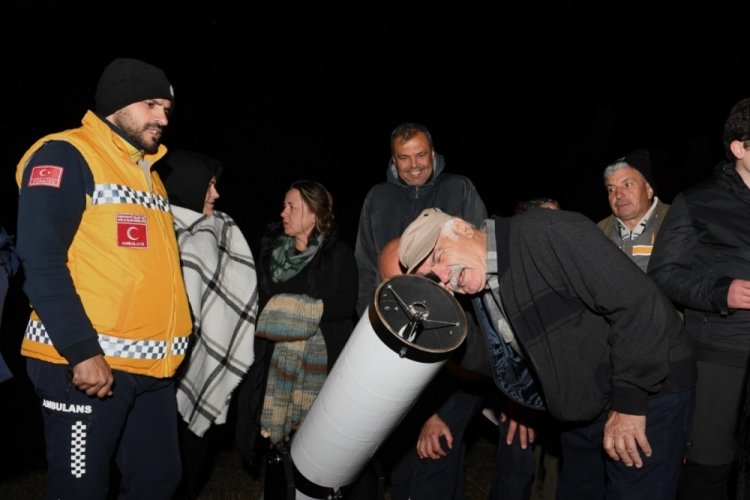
(713, 443)
(425, 479)
(514, 471)
(443, 479)
(5, 373)
(198, 456)
(136, 426)
(706, 482)
(588, 473)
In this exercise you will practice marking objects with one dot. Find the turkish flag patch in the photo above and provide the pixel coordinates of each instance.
(132, 231)
(46, 175)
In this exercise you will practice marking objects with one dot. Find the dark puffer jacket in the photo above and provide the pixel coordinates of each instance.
(704, 244)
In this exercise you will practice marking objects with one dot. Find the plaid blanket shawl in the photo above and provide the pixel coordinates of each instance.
(219, 273)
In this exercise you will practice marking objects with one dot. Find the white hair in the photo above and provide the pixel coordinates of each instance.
(618, 165)
(449, 228)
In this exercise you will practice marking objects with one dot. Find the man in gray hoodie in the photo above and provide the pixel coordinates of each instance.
(415, 179)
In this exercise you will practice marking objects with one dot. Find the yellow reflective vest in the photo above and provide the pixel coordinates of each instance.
(124, 259)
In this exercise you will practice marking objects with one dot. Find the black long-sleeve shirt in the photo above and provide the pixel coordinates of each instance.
(48, 219)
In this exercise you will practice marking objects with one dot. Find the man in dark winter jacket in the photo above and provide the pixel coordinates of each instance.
(702, 262)
(415, 180)
(572, 325)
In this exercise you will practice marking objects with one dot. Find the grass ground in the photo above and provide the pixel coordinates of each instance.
(229, 480)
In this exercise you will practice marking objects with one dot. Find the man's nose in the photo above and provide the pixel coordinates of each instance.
(161, 116)
(443, 273)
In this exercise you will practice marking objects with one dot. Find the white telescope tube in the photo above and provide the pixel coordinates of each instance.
(398, 345)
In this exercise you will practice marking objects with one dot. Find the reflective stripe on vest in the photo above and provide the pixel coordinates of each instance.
(118, 347)
(119, 194)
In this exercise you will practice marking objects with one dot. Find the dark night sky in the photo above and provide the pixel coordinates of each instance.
(526, 101)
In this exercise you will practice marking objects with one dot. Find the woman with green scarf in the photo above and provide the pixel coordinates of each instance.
(307, 281)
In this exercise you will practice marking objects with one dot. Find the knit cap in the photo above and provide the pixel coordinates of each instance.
(640, 160)
(125, 81)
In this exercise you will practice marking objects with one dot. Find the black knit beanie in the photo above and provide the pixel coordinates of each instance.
(186, 175)
(125, 81)
(641, 161)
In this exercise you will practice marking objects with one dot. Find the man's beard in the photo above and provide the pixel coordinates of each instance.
(138, 140)
(149, 149)
(455, 275)
(136, 136)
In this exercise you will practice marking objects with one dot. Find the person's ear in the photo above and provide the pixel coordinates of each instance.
(649, 191)
(462, 227)
(738, 149)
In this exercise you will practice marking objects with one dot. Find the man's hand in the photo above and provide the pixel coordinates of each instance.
(428, 442)
(94, 377)
(623, 435)
(738, 296)
(526, 434)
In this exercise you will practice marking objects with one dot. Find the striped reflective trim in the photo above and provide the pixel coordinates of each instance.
(642, 249)
(132, 349)
(78, 449)
(119, 347)
(180, 345)
(119, 194)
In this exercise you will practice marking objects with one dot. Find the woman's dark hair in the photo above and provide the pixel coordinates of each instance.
(320, 201)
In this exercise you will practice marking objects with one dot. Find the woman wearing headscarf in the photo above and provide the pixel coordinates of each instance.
(219, 274)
